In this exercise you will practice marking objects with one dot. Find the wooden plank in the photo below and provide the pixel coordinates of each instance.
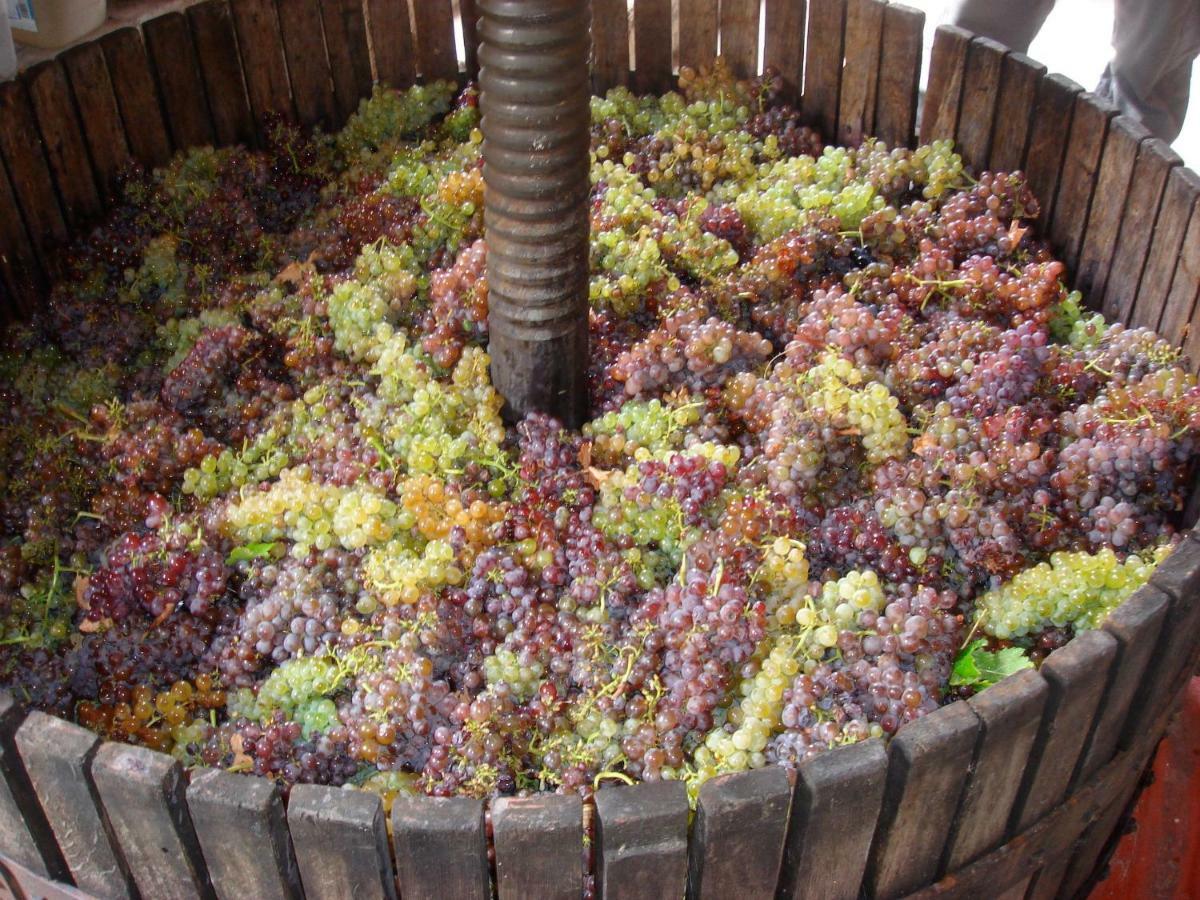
(738, 835)
(470, 32)
(739, 36)
(1048, 131)
(1178, 576)
(698, 25)
(1019, 78)
(1166, 244)
(263, 62)
(307, 62)
(860, 76)
(240, 822)
(143, 796)
(783, 43)
(539, 846)
(436, 56)
(29, 173)
(652, 45)
(834, 811)
(213, 36)
(1181, 303)
(446, 835)
(103, 129)
(26, 885)
(1121, 148)
(610, 45)
(349, 56)
(641, 840)
(341, 843)
(1081, 166)
(823, 65)
(899, 75)
(137, 96)
(25, 835)
(977, 110)
(66, 152)
(943, 93)
(21, 270)
(928, 762)
(58, 757)
(173, 56)
(391, 42)
(1077, 676)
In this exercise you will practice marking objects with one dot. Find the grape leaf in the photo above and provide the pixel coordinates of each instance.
(247, 552)
(979, 668)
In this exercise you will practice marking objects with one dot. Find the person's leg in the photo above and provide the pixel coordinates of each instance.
(1014, 24)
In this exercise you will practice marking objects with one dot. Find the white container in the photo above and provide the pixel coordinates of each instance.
(8, 53)
(54, 23)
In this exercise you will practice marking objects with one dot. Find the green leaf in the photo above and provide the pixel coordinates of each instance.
(979, 668)
(247, 552)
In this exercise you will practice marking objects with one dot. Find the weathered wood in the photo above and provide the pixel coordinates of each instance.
(899, 75)
(349, 57)
(823, 65)
(641, 840)
(240, 822)
(470, 33)
(444, 835)
(980, 92)
(1174, 660)
(610, 45)
(341, 843)
(539, 846)
(391, 42)
(1166, 244)
(1081, 165)
(436, 55)
(66, 152)
(143, 796)
(834, 810)
(783, 43)
(137, 96)
(1182, 303)
(307, 62)
(25, 835)
(1077, 676)
(1125, 137)
(1154, 163)
(103, 129)
(263, 62)
(860, 75)
(738, 835)
(58, 757)
(943, 93)
(221, 68)
(1048, 130)
(1019, 77)
(698, 25)
(23, 884)
(652, 45)
(928, 762)
(739, 36)
(21, 270)
(177, 67)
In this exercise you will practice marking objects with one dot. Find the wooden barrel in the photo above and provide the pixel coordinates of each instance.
(1013, 793)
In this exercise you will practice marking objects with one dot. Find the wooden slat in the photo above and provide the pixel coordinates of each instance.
(341, 843)
(539, 846)
(1178, 576)
(977, 110)
(349, 58)
(263, 62)
(943, 93)
(444, 835)
(1181, 303)
(19, 265)
(25, 834)
(436, 56)
(215, 39)
(391, 42)
(1019, 78)
(137, 96)
(23, 154)
(470, 31)
(899, 75)
(641, 840)
(103, 129)
(860, 76)
(834, 810)
(66, 151)
(1179, 197)
(1080, 170)
(173, 55)
(739, 36)
(307, 62)
(783, 44)
(698, 22)
(610, 45)
(928, 762)
(1048, 131)
(823, 65)
(738, 835)
(652, 45)
(1121, 148)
